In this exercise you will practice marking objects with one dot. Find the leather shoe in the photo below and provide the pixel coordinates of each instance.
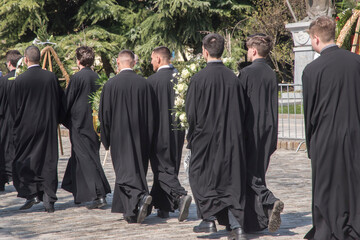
(131, 219)
(206, 227)
(184, 205)
(145, 201)
(237, 234)
(97, 203)
(49, 207)
(162, 214)
(29, 203)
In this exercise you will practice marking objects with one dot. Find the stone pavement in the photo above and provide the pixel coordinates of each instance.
(289, 177)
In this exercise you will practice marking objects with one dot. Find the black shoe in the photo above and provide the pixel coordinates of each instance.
(97, 203)
(184, 205)
(29, 203)
(206, 227)
(145, 201)
(131, 219)
(274, 216)
(49, 207)
(162, 214)
(2, 187)
(237, 234)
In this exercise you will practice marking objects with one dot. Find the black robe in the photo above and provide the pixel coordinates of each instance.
(216, 113)
(165, 163)
(7, 150)
(261, 125)
(36, 104)
(128, 121)
(331, 88)
(84, 176)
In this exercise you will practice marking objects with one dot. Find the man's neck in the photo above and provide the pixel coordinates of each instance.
(327, 45)
(209, 59)
(81, 67)
(11, 68)
(257, 57)
(30, 64)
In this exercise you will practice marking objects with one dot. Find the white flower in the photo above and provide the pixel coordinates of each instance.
(193, 67)
(181, 87)
(179, 102)
(182, 117)
(174, 74)
(185, 73)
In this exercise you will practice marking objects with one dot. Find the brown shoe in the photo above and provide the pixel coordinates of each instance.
(274, 216)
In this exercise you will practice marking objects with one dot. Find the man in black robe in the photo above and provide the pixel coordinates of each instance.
(167, 192)
(331, 86)
(216, 113)
(128, 122)
(84, 176)
(7, 150)
(36, 106)
(261, 124)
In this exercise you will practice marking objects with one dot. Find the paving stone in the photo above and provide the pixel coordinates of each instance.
(289, 177)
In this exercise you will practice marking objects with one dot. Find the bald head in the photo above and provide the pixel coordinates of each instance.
(126, 59)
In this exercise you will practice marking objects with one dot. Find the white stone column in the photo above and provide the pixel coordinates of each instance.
(304, 53)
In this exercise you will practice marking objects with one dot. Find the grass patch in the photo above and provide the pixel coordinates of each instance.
(285, 109)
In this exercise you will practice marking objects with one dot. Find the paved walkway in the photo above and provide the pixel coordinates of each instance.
(289, 177)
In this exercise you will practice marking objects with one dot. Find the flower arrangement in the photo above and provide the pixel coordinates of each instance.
(181, 87)
(94, 99)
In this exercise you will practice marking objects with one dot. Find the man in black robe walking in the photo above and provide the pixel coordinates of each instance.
(216, 113)
(84, 176)
(7, 150)
(331, 86)
(128, 120)
(36, 107)
(167, 192)
(261, 124)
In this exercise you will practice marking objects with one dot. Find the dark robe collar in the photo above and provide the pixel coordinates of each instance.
(330, 49)
(260, 60)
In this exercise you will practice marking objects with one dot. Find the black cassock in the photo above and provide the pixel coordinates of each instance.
(7, 150)
(84, 176)
(128, 117)
(331, 87)
(261, 124)
(36, 102)
(216, 113)
(165, 163)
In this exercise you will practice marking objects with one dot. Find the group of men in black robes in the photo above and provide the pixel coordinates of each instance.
(331, 86)
(136, 122)
(232, 133)
(34, 107)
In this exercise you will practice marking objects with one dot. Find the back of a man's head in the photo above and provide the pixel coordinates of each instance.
(214, 44)
(126, 57)
(163, 52)
(85, 55)
(324, 28)
(261, 42)
(32, 53)
(13, 56)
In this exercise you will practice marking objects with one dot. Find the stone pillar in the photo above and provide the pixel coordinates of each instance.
(304, 53)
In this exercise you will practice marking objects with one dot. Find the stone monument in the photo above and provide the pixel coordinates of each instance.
(304, 53)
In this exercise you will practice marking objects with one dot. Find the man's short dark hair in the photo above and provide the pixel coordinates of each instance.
(214, 44)
(164, 52)
(32, 53)
(324, 28)
(85, 55)
(13, 56)
(127, 53)
(261, 42)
